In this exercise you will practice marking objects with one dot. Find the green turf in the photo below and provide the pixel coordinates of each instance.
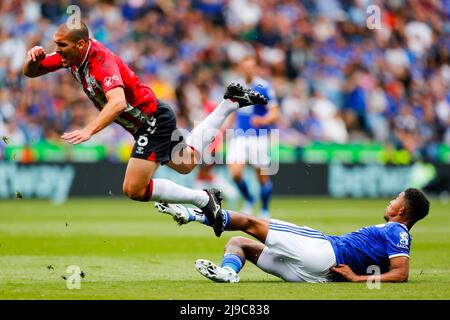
(128, 251)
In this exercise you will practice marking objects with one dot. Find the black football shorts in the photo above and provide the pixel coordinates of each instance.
(155, 140)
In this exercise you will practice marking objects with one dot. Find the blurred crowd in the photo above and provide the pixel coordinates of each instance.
(340, 74)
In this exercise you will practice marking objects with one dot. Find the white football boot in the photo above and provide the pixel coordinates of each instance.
(178, 212)
(216, 273)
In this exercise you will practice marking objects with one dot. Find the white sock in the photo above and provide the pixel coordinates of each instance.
(205, 132)
(166, 190)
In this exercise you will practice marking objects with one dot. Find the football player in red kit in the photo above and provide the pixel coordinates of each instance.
(119, 95)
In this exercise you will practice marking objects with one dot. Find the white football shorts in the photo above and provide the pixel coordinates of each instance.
(297, 254)
(253, 150)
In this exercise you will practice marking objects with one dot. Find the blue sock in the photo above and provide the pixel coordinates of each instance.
(205, 221)
(195, 215)
(232, 261)
(242, 185)
(227, 219)
(266, 193)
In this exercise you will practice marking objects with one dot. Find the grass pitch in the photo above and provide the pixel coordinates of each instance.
(127, 250)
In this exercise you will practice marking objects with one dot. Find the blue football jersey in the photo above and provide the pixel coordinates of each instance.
(244, 115)
(373, 245)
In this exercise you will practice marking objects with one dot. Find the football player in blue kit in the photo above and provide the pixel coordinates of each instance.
(250, 144)
(302, 254)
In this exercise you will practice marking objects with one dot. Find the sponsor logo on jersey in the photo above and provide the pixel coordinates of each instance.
(404, 240)
(108, 81)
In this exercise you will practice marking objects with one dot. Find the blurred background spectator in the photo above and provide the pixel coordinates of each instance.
(337, 80)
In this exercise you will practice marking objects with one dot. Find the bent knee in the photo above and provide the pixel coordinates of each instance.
(185, 168)
(236, 242)
(133, 192)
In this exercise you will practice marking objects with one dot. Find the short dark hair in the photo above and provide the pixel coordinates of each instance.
(417, 204)
(75, 34)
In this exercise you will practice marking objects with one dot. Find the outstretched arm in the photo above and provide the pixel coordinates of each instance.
(116, 105)
(398, 273)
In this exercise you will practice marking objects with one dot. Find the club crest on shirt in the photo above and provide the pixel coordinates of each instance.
(404, 240)
(108, 81)
(91, 81)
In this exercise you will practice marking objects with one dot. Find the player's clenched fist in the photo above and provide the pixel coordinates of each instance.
(36, 53)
